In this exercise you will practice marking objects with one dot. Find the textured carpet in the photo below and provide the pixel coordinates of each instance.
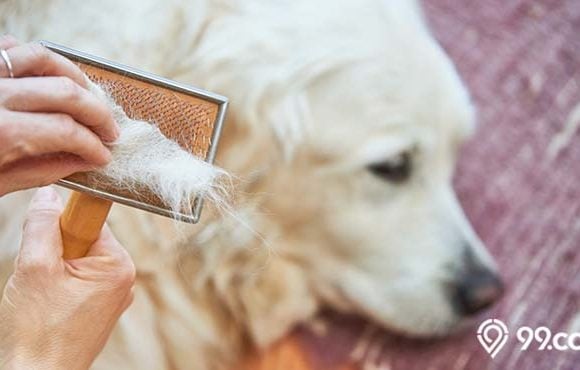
(518, 179)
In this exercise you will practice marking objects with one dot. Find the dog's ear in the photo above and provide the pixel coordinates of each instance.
(274, 300)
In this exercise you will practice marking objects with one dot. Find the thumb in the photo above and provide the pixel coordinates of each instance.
(41, 239)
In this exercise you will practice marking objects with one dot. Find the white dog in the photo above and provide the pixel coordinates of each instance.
(346, 118)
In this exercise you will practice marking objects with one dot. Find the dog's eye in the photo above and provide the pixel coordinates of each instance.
(396, 169)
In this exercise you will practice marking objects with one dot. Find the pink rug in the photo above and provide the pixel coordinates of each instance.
(519, 181)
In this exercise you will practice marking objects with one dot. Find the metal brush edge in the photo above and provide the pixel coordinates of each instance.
(131, 72)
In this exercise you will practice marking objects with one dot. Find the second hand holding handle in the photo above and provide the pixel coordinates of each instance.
(81, 223)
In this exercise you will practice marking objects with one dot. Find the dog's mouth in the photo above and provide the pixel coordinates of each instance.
(451, 308)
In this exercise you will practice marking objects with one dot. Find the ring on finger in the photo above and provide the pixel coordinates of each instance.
(6, 58)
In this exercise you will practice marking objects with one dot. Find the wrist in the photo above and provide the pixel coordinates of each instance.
(16, 359)
(24, 360)
(23, 363)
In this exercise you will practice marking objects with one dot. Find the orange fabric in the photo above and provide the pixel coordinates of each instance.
(285, 355)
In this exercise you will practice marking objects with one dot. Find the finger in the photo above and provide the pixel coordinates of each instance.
(8, 41)
(128, 299)
(60, 95)
(126, 302)
(39, 171)
(33, 134)
(107, 245)
(41, 240)
(108, 256)
(33, 59)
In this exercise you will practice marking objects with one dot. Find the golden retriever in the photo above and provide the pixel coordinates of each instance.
(345, 123)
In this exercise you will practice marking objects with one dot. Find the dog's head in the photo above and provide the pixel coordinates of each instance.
(367, 120)
(368, 202)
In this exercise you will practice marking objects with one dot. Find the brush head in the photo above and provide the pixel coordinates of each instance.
(189, 116)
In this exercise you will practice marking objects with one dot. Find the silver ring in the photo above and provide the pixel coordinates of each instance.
(7, 61)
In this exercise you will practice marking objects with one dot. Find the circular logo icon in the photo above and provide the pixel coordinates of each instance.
(492, 335)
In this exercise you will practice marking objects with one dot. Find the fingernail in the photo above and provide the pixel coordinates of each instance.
(103, 158)
(108, 155)
(46, 193)
(113, 133)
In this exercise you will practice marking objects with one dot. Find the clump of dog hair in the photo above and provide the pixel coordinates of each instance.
(142, 157)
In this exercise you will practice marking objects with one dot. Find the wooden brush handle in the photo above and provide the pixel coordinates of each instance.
(81, 223)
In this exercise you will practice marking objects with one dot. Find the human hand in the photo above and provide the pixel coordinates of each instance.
(50, 124)
(55, 313)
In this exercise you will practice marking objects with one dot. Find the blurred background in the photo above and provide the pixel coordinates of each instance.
(519, 182)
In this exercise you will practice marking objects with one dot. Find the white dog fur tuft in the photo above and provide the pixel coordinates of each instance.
(145, 158)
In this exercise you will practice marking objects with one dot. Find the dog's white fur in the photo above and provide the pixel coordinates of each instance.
(143, 158)
(319, 90)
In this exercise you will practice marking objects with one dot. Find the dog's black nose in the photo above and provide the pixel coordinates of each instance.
(477, 290)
